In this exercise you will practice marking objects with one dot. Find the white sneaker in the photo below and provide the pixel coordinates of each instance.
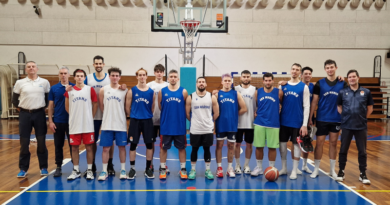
(333, 175)
(247, 170)
(293, 175)
(123, 175)
(238, 170)
(314, 174)
(90, 174)
(257, 171)
(299, 172)
(283, 172)
(103, 176)
(230, 173)
(306, 169)
(75, 174)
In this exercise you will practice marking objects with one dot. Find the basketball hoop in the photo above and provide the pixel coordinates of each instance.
(190, 27)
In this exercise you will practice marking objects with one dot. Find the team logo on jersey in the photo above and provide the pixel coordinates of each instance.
(362, 93)
(136, 94)
(71, 140)
(221, 96)
(346, 93)
(196, 98)
(285, 88)
(166, 94)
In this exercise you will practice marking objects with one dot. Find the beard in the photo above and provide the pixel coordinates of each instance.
(268, 87)
(201, 89)
(173, 83)
(98, 70)
(245, 83)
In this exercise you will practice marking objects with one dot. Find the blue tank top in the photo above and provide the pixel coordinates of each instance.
(228, 112)
(311, 88)
(327, 104)
(292, 105)
(141, 103)
(173, 112)
(267, 108)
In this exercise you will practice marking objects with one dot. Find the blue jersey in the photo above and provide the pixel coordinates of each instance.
(173, 112)
(56, 95)
(141, 103)
(292, 105)
(327, 105)
(311, 88)
(228, 112)
(267, 108)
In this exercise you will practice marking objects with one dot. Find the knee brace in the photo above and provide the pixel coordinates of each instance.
(207, 154)
(133, 147)
(297, 151)
(149, 145)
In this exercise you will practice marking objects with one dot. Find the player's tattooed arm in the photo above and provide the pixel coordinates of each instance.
(215, 107)
(188, 107)
(129, 97)
(241, 103)
(159, 99)
(101, 99)
(313, 108)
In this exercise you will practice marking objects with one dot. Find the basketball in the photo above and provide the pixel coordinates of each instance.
(271, 174)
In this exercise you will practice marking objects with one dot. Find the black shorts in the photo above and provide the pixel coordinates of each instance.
(249, 133)
(230, 136)
(205, 140)
(288, 133)
(136, 127)
(323, 128)
(156, 132)
(180, 141)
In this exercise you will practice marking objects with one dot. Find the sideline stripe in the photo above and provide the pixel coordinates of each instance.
(188, 190)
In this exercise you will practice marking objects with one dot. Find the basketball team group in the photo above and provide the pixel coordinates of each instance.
(98, 105)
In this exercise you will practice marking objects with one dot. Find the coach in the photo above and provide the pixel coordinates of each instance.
(59, 122)
(30, 97)
(355, 104)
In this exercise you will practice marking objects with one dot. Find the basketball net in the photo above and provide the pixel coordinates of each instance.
(190, 27)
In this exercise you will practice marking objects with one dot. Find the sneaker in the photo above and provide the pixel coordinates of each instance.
(22, 174)
(183, 174)
(110, 169)
(163, 173)
(149, 173)
(363, 178)
(192, 174)
(230, 172)
(132, 174)
(152, 167)
(123, 174)
(209, 175)
(166, 169)
(103, 176)
(238, 170)
(44, 172)
(305, 144)
(256, 172)
(340, 176)
(90, 174)
(219, 172)
(75, 174)
(247, 170)
(58, 172)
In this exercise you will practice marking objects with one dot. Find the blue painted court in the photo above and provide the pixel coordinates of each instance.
(243, 189)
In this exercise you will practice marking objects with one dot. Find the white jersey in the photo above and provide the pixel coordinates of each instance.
(114, 116)
(156, 87)
(201, 114)
(97, 84)
(245, 121)
(80, 111)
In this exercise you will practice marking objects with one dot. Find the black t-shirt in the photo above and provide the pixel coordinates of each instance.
(316, 89)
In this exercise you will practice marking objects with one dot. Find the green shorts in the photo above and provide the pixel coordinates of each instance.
(262, 134)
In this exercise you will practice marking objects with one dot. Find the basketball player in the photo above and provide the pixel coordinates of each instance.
(266, 122)
(112, 104)
(81, 104)
(293, 118)
(171, 101)
(231, 105)
(245, 121)
(156, 86)
(139, 105)
(200, 107)
(325, 94)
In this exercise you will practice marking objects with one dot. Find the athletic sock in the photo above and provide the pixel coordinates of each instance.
(259, 163)
(219, 164)
(332, 165)
(208, 166)
(295, 165)
(110, 161)
(123, 166)
(304, 163)
(246, 164)
(317, 163)
(284, 165)
(148, 162)
(230, 165)
(76, 167)
(193, 166)
(132, 164)
(272, 163)
(105, 167)
(90, 166)
(182, 165)
(238, 162)
(163, 165)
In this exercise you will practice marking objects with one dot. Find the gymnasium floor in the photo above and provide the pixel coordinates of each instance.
(242, 189)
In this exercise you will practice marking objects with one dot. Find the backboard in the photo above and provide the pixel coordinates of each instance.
(167, 15)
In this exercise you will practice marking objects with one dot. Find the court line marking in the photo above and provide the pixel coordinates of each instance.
(186, 190)
(39, 180)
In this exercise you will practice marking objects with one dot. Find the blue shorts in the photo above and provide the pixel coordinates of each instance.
(230, 136)
(97, 124)
(108, 137)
